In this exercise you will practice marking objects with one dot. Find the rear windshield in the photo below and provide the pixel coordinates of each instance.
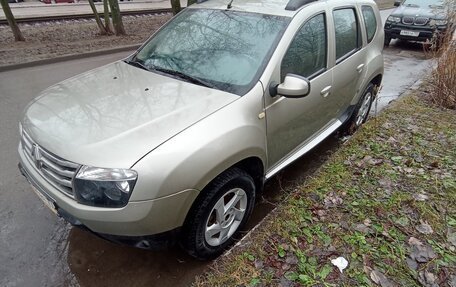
(228, 49)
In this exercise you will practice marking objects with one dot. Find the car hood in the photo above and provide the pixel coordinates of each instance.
(114, 115)
(433, 13)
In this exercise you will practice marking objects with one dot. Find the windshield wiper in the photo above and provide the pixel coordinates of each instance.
(183, 76)
(137, 64)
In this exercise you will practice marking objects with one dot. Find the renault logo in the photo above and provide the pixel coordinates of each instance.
(36, 155)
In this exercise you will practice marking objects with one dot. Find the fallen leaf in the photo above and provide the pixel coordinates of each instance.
(321, 213)
(424, 228)
(427, 279)
(452, 238)
(331, 248)
(286, 266)
(419, 251)
(367, 158)
(285, 283)
(391, 140)
(435, 164)
(412, 264)
(396, 159)
(420, 197)
(414, 241)
(292, 259)
(332, 199)
(380, 279)
(375, 161)
(386, 183)
(362, 228)
(259, 264)
(403, 221)
(452, 281)
(418, 158)
(408, 170)
(413, 128)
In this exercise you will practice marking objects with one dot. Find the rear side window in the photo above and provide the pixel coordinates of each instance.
(306, 55)
(347, 31)
(370, 22)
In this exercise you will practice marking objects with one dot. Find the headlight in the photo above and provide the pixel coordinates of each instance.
(394, 19)
(441, 22)
(104, 187)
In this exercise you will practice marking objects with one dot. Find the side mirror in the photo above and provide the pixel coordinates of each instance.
(294, 86)
(397, 3)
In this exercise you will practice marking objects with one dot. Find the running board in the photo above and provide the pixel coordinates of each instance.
(300, 152)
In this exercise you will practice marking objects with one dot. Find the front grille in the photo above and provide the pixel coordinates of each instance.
(418, 21)
(408, 20)
(58, 172)
(421, 21)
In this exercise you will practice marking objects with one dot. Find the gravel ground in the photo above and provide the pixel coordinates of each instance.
(52, 39)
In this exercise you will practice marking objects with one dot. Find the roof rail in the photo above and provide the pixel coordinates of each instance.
(294, 5)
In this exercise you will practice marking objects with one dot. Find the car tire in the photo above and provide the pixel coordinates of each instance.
(218, 214)
(387, 41)
(361, 111)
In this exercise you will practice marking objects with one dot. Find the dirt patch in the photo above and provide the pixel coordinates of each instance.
(53, 39)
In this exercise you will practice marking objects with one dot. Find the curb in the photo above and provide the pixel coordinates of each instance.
(69, 57)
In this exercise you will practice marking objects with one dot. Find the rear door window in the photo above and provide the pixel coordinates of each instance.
(348, 37)
(370, 22)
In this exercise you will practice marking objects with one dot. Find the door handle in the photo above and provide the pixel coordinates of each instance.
(360, 68)
(326, 91)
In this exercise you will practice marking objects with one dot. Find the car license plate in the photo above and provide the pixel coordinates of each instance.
(46, 201)
(409, 33)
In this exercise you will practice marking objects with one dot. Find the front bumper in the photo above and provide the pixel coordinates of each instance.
(136, 219)
(426, 33)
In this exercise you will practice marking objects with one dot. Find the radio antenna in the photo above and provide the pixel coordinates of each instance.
(229, 5)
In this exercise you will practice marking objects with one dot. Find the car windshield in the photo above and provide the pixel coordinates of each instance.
(423, 3)
(223, 49)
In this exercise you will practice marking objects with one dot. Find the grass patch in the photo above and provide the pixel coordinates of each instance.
(385, 201)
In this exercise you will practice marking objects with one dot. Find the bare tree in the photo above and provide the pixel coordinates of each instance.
(11, 21)
(116, 17)
(107, 19)
(176, 6)
(102, 28)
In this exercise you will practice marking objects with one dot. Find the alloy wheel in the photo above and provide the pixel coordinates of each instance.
(363, 111)
(225, 217)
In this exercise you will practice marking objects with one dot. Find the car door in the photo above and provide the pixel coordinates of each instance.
(350, 66)
(292, 121)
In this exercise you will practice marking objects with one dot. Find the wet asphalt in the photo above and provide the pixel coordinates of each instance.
(39, 249)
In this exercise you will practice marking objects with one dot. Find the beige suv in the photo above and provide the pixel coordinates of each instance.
(179, 137)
